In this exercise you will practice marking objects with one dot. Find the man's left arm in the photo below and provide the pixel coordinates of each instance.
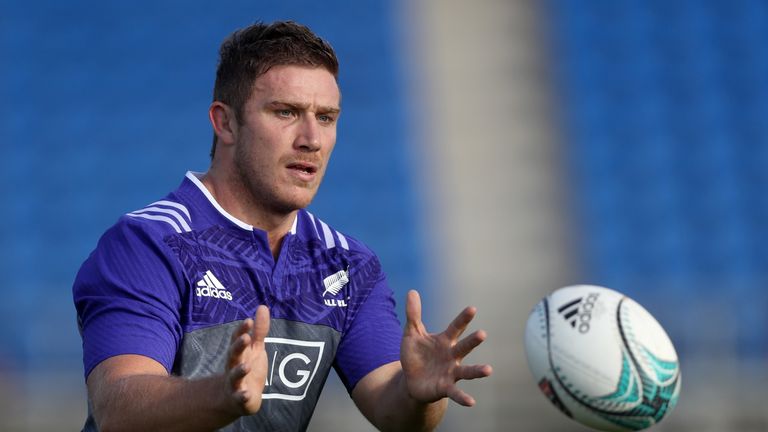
(410, 394)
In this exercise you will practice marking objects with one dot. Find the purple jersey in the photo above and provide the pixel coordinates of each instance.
(173, 280)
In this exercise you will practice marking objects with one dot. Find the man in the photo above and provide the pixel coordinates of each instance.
(225, 304)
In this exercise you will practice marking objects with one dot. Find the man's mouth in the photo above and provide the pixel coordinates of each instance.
(305, 171)
(306, 168)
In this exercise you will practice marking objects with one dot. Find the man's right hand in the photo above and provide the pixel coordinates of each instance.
(246, 369)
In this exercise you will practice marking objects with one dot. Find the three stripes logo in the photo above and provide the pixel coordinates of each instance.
(569, 311)
(211, 286)
(172, 213)
(578, 312)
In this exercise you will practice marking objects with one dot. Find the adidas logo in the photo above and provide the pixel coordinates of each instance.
(569, 311)
(578, 312)
(210, 286)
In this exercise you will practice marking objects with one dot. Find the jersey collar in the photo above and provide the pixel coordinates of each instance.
(195, 177)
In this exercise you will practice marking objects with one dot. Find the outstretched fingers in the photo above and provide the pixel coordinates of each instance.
(460, 397)
(460, 323)
(240, 340)
(471, 372)
(469, 343)
(247, 362)
(249, 333)
(237, 374)
(467, 373)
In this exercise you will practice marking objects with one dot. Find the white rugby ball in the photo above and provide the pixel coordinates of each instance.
(602, 359)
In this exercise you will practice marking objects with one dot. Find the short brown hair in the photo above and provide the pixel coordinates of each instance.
(250, 52)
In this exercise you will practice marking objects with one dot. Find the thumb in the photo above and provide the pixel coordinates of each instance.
(413, 310)
(261, 324)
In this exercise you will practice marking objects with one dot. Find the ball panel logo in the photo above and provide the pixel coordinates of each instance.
(578, 312)
(292, 366)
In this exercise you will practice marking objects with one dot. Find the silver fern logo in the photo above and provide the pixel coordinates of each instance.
(335, 282)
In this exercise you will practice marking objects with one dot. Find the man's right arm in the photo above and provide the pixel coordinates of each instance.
(132, 392)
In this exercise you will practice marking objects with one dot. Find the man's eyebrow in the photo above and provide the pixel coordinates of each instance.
(303, 106)
(329, 110)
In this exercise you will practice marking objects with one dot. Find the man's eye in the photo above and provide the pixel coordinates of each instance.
(285, 113)
(325, 118)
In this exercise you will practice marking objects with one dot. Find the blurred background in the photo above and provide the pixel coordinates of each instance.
(489, 151)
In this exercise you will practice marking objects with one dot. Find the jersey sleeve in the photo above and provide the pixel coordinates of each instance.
(372, 338)
(127, 295)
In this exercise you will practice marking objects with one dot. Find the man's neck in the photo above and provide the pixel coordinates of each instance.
(244, 209)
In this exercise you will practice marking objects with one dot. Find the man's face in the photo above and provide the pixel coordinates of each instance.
(287, 133)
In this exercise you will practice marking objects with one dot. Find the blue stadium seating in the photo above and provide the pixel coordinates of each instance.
(105, 107)
(665, 106)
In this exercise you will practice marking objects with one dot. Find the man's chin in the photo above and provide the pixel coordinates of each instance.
(297, 201)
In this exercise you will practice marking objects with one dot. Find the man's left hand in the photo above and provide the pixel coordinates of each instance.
(432, 363)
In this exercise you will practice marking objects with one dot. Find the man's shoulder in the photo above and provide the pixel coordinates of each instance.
(180, 211)
(166, 216)
(316, 230)
(151, 223)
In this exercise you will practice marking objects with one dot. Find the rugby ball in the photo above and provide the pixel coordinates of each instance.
(602, 359)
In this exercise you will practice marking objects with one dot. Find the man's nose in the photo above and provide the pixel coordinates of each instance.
(308, 138)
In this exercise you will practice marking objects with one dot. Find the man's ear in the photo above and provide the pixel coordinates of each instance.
(224, 122)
